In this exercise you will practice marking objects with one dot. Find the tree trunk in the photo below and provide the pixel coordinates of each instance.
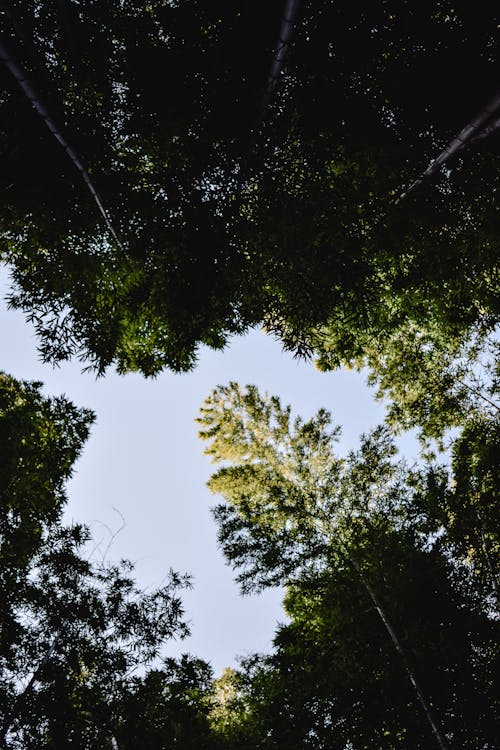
(399, 648)
(280, 53)
(324, 527)
(467, 133)
(28, 89)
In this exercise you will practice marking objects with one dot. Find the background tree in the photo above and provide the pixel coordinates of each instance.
(95, 626)
(357, 541)
(169, 707)
(466, 507)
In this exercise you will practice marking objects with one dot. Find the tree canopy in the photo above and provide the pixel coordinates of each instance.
(390, 572)
(174, 173)
(40, 439)
(73, 628)
(226, 219)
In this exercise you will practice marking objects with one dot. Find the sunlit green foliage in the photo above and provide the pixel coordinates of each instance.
(358, 540)
(433, 381)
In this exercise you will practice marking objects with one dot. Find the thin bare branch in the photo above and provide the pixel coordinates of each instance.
(114, 534)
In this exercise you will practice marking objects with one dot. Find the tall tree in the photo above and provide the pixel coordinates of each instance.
(72, 629)
(385, 608)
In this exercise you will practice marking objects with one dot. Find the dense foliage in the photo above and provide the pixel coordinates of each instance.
(158, 195)
(72, 628)
(391, 576)
(226, 221)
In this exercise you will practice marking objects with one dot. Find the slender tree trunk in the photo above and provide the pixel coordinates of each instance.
(325, 528)
(472, 129)
(22, 78)
(488, 130)
(278, 61)
(280, 53)
(399, 648)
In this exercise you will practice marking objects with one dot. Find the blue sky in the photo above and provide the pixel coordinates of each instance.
(144, 459)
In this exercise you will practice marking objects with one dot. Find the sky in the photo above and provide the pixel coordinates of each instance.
(144, 463)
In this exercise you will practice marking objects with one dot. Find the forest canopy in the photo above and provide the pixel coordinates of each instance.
(225, 216)
(176, 172)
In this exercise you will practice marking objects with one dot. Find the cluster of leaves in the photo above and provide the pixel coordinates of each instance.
(40, 439)
(431, 381)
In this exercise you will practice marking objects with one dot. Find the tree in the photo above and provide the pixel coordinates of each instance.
(232, 717)
(385, 607)
(433, 381)
(40, 439)
(169, 707)
(223, 227)
(333, 680)
(80, 628)
(467, 506)
(72, 629)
